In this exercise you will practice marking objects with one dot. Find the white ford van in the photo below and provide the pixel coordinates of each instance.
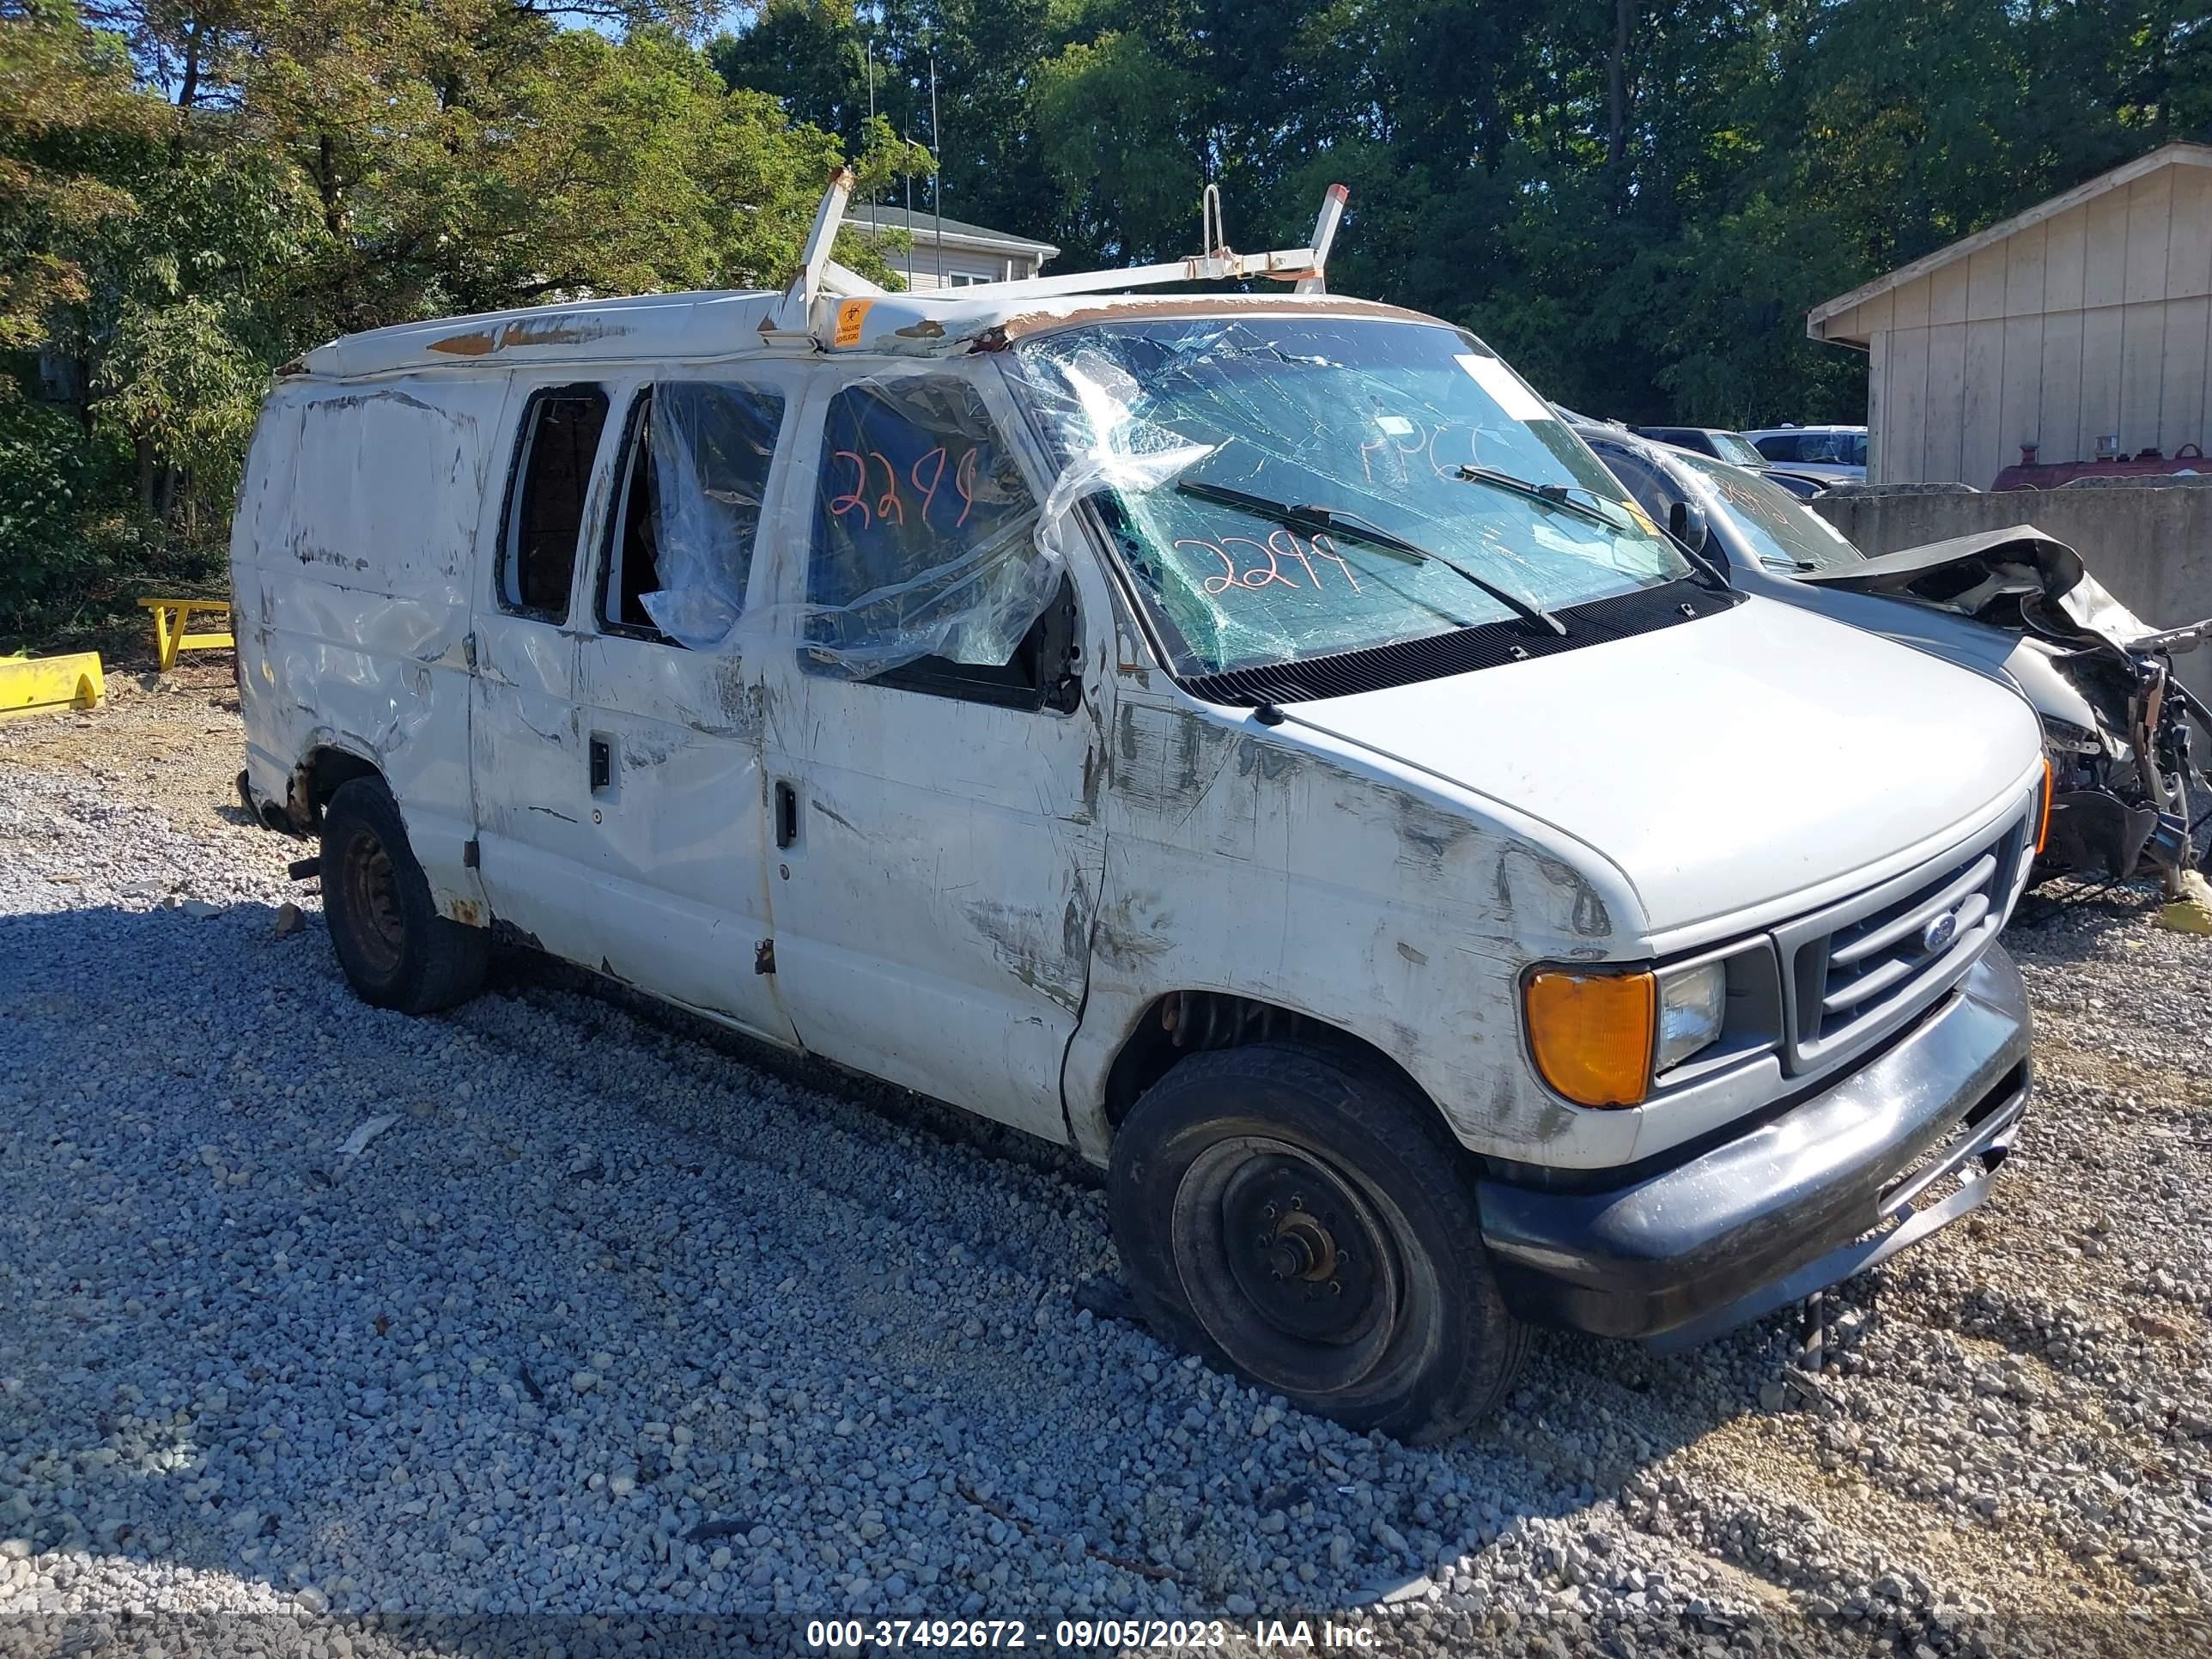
(1248, 740)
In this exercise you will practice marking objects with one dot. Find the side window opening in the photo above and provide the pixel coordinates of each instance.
(923, 532)
(633, 564)
(547, 490)
(695, 471)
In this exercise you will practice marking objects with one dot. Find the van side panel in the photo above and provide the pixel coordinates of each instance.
(1382, 905)
(353, 556)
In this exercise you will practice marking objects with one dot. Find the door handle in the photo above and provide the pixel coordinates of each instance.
(603, 770)
(786, 814)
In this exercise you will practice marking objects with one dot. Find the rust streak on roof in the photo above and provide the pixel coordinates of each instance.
(1023, 324)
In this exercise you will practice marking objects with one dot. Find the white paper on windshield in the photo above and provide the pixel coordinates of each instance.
(1505, 388)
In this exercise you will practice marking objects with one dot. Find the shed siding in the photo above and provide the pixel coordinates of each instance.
(2095, 320)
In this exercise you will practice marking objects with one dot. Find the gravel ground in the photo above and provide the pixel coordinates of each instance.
(559, 1324)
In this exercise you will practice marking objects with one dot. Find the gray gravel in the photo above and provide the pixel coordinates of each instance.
(316, 1322)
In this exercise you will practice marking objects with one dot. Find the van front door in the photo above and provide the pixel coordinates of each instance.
(669, 767)
(938, 856)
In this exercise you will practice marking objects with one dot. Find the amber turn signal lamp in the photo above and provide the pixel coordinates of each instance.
(1591, 1034)
(2042, 818)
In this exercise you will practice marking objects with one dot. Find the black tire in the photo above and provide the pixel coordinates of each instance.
(1306, 1160)
(2197, 802)
(397, 951)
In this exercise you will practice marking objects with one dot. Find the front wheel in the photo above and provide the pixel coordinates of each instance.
(397, 951)
(1297, 1216)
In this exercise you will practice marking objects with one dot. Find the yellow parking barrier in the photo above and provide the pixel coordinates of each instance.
(172, 617)
(46, 685)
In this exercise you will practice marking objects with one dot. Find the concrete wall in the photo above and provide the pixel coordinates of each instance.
(2151, 546)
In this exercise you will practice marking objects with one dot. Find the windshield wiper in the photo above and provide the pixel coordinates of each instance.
(1335, 520)
(1551, 495)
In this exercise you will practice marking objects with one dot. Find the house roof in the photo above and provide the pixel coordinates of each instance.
(958, 232)
(2178, 155)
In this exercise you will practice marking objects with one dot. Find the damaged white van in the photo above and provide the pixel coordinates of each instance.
(1247, 738)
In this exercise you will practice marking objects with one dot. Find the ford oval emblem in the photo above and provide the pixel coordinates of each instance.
(1939, 932)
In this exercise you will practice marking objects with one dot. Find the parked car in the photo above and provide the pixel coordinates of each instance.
(1731, 447)
(1835, 452)
(1803, 485)
(1721, 445)
(1245, 737)
(2130, 795)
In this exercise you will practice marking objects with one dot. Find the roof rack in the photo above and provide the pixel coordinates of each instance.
(821, 278)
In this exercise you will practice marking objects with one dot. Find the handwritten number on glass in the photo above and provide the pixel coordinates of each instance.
(925, 478)
(1280, 545)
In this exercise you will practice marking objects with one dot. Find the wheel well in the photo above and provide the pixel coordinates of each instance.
(1191, 1022)
(317, 778)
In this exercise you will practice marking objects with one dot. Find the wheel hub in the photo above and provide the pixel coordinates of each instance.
(1300, 1248)
(371, 892)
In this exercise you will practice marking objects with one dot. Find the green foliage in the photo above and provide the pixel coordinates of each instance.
(1637, 203)
(192, 192)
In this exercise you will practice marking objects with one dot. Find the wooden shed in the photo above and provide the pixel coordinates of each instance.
(2080, 326)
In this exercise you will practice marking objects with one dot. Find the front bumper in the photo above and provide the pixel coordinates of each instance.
(1827, 1188)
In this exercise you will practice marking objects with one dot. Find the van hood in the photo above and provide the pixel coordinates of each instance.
(1720, 764)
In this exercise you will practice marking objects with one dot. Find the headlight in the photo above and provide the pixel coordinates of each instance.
(1692, 1002)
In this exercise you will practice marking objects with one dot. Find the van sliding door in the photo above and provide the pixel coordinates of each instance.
(668, 704)
(526, 742)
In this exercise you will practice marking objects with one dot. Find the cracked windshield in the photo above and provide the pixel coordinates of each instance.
(1291, 487)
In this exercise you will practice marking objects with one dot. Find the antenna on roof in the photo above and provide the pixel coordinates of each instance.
(937, 174)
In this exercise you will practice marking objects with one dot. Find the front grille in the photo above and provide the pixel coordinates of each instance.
(1856, 971)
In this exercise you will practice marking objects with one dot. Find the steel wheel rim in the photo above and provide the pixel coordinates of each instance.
(1260, 1283)
(371, 889)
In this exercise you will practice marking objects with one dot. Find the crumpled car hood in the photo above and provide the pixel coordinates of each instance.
(1972, 574)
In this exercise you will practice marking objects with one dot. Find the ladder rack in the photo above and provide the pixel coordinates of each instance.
(821, 277)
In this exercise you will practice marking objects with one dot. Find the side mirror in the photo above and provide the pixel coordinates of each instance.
(1685, 523)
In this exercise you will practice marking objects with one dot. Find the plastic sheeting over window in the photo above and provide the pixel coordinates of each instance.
(924, 539)
(711, 449)
(925, 534)
(1292, 487)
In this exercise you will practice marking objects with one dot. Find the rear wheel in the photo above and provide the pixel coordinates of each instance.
(1297, 1217)
(395, 949)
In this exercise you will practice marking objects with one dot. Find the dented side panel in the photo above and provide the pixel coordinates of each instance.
(678, 833)
(933, 912)
(353, 596)
(1273, 864)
